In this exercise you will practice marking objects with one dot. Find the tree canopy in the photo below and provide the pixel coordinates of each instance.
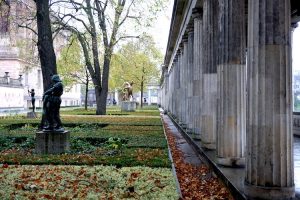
(106, 23)
(136, 61)
(70, 63)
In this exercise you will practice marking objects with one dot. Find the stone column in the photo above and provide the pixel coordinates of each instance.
(197, 71)
(269, 164)
(170, 90)
(180, 83)
(189, 79)
(231, 127)
(166, 90)
(172, 86)
(177, 80)
(209, 95)
(174, 90)
(183, 86)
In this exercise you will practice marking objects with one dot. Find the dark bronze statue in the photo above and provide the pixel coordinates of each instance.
(127, 91)
(51, 105)
(32, 93)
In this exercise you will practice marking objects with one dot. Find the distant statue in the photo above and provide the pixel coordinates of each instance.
(32, 93)
(127, 91)
(52, 103)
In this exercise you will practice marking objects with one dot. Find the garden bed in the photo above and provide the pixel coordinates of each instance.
(85, 182)
(133, 136)
(111, 157)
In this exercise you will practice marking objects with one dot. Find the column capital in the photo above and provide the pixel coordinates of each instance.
(175, 57)
(197, 13)
(180, 48)
(184, 38)
(189, 28)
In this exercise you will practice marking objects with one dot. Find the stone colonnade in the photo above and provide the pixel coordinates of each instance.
(243, 112)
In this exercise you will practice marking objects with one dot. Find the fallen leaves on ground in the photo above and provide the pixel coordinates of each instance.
(196, 182)
(85, 182)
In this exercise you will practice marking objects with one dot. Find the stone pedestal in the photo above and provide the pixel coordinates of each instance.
(128, 106)
(31, 115)
(52, 142)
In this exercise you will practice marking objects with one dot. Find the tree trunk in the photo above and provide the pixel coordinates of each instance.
(101, 92)
(86, 92)
(101, 97)
(45, 46)
(45, 42)
(142, 92)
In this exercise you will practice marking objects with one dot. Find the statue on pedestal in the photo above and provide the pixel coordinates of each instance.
(127, 91)
(52, 103)
(53, 139)
(32, 93)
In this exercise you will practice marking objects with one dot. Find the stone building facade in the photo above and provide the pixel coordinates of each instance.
(19, 56)
(227, 78)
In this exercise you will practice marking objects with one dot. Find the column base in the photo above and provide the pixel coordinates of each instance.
(231, 162)
(183, 125)
(196, 135)
(272, 193)
(210, 146)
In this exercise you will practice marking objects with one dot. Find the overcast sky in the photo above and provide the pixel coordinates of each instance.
(160, 30)
(296, 49)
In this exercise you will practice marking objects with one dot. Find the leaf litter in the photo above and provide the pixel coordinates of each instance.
(85, 182)
(196, 182)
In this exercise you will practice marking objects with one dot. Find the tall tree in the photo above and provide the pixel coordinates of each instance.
(45, 42)
(72, 68)
(103, 21)
(136, 61)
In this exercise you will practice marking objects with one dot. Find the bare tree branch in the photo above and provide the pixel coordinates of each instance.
(126, 37)
(127, 13)
(101, 19)
(77, 19)
(29, 28)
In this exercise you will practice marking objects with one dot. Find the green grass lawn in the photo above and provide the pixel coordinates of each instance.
(115, 111)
